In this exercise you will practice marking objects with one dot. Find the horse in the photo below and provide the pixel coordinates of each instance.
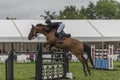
(71, 44)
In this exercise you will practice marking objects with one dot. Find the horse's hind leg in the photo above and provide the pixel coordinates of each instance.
(82, 60)
(84, 69)
(87, 49)
(87, 67)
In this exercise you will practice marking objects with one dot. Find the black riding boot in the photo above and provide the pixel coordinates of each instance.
(59, 37)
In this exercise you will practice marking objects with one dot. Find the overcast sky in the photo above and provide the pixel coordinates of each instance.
(32, 9)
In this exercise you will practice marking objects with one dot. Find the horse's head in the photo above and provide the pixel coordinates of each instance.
(39, 28)
(33, 33)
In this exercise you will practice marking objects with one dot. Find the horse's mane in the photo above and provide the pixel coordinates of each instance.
(41, 25)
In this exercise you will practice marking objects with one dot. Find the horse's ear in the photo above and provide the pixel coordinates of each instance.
(32, 26)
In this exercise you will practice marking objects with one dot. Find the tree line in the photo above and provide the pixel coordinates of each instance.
(103, 9)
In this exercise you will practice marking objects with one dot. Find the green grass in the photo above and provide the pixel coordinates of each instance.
(114, 74)
(22, 71)
(26, 71)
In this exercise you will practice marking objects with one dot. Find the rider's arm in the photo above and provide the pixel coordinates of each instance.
(50, 28)
(53, 25)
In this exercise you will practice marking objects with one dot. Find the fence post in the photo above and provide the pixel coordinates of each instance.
(9, 68)
(38, 62)
(65, 65)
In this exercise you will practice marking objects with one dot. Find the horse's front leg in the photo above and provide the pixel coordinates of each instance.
(50, 48)
(47, 43)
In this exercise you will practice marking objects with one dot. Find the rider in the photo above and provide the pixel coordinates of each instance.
(59, 25)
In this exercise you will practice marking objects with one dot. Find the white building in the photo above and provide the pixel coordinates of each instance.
(16, 31)
(84, 30)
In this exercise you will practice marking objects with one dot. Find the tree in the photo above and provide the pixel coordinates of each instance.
(107, 9)
(104, 9)
(82, 13)
(8, 18)
(70, 12)
(49, 15)
(90, 11)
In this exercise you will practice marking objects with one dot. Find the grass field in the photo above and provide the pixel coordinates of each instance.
(26, 71)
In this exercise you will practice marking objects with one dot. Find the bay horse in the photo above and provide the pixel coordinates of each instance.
(71, 44)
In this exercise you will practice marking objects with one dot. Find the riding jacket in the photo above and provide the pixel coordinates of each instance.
(53, 25)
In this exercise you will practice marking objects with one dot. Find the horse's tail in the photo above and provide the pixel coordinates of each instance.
(87, 49)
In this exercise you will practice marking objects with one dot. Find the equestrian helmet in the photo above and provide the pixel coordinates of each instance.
(48, 21)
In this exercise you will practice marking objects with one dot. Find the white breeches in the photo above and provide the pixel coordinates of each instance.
(60, 28)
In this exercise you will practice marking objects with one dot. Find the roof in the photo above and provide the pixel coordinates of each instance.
(84, 30)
